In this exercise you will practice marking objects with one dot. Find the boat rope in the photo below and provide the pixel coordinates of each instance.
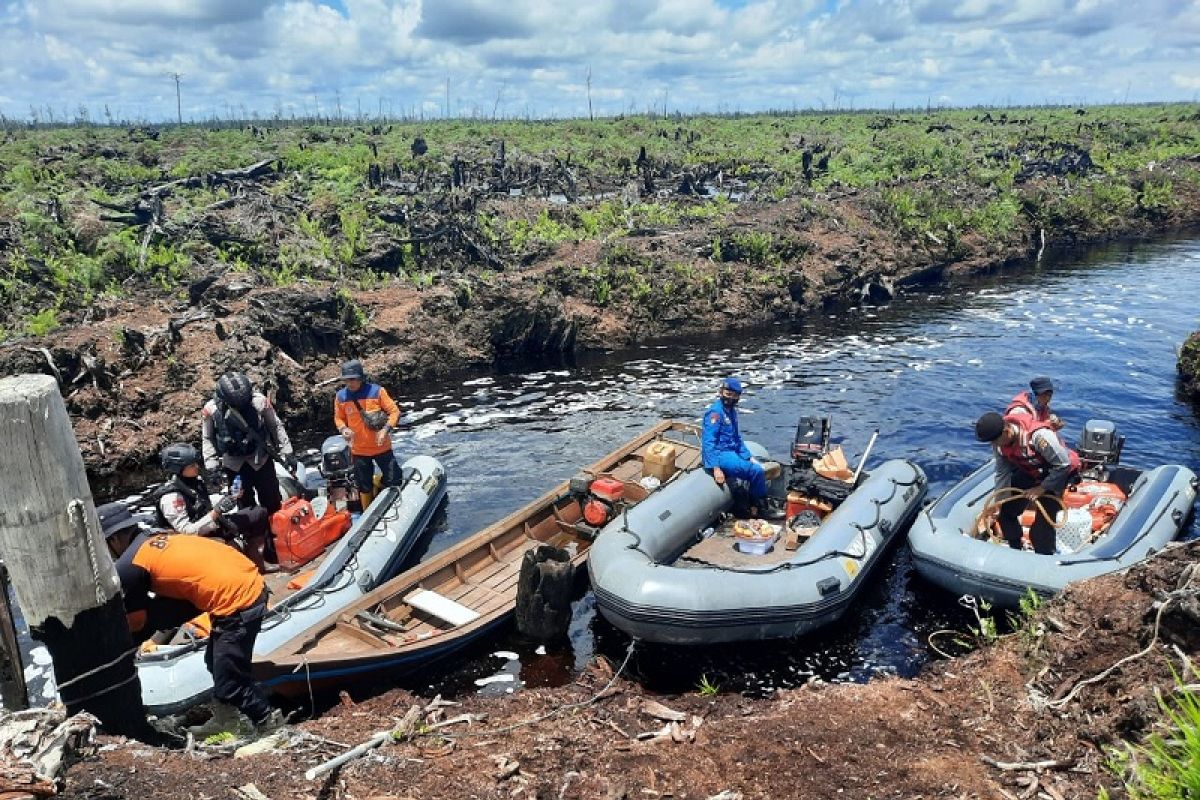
(554, 711)
(100, 668)
(997, 499)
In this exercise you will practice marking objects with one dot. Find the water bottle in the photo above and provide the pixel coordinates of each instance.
(235, 488)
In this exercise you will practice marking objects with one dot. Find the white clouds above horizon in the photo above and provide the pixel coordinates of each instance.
(531, 57)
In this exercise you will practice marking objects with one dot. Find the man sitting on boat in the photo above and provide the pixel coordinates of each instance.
(365, 414)
(1038, 407)
(726, 456)
(190, 575)
(183, 504)
(1029, 456)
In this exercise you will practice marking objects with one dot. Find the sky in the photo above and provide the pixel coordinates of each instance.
(534, 58)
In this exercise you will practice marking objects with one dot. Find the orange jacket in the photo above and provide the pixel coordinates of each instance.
(207, 573)
(346, 414)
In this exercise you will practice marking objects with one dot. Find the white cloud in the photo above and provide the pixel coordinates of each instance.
(531, 56)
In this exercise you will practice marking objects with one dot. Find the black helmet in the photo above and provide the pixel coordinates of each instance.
(234, 389)
(353, 369)
(177, 456)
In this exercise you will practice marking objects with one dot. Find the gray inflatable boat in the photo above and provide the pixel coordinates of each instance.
(174, 677)
(1157, 505)
(661, 575)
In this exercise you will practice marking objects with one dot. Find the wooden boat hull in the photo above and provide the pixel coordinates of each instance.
(385, 634)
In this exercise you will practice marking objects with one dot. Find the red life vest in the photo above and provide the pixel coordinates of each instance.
(1022, 454)
(1022, 402)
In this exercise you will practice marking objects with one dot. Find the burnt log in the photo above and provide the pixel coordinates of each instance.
(419, 148)
(544, 593)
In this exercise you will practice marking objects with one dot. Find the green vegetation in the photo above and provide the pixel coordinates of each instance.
(707, 688)
(94, 211)
(1167, 765)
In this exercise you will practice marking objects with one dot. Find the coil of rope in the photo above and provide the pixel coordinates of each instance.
(997, 499)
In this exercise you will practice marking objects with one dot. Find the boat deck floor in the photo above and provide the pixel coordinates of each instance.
(720, 550)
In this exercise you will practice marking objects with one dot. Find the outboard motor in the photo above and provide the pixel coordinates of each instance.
(811, 441)
(337, 469)
(1100, 445)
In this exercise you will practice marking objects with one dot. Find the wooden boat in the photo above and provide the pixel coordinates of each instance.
(456, 597)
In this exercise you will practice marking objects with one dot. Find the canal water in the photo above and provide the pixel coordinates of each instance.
(1104, 325)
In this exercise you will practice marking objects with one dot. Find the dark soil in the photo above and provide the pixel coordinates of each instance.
(971, 727)
(136, 370)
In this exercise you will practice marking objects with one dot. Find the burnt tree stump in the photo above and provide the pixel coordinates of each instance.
(544, 593)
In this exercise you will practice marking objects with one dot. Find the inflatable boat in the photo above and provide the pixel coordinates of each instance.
(174, 676)
(677, 570)
(1113, 517)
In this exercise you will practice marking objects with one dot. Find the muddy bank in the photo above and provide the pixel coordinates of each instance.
(1189, 366)
(143, 264)
(1025, 714)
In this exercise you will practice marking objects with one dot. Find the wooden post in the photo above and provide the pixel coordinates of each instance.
(60, 567)
(13, 692)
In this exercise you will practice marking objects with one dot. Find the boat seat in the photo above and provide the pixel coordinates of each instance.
(442, 607)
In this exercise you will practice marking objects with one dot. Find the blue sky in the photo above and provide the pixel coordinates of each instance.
(532, 57)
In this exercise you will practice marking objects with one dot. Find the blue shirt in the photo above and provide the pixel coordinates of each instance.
(721, 434)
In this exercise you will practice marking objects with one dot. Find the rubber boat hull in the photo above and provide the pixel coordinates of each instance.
(1156, 510)
(373, 551)
(639, 590)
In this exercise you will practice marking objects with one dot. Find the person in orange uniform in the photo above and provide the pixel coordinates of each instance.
(365, 415)
(190, 575)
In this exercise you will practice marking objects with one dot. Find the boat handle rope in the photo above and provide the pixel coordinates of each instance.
(1166, 507)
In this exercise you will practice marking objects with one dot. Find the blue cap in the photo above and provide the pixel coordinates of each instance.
(732, 384)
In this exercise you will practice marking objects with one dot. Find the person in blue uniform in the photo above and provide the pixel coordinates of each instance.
(725, 455)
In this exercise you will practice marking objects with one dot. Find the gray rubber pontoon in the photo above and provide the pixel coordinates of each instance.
(945, 554)
(643, 588)
(174, 677)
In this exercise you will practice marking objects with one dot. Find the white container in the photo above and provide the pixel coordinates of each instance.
(756, 547)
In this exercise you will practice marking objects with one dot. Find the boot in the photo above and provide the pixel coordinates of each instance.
(225, 719)
(365, 498)
(270, 723)
(768, 508)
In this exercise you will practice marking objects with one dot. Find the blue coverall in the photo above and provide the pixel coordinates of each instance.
(722, 446)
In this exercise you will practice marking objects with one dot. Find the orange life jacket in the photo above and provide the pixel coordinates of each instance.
(1021, 452)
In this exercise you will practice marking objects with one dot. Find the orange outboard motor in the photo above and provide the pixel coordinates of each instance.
(601, 505)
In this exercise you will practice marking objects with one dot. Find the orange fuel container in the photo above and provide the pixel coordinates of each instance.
(798, 503)
(300, 536)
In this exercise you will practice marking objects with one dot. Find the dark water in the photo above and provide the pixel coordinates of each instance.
(1105, 326)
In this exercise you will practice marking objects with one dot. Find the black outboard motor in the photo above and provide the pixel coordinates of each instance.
(811, 441)
(1100, 445)
(338, 471)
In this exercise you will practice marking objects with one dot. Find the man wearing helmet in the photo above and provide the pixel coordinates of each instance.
(183, 504)
(365, 414)
(241, 433)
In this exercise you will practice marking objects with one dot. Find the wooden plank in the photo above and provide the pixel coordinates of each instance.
(441, 607)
